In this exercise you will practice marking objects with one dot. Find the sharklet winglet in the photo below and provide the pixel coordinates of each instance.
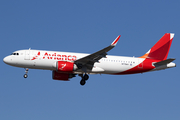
(115, 41)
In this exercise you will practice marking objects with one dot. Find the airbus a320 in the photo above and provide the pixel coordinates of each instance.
(66, 65)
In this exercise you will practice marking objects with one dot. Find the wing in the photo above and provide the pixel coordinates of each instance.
(87, 62)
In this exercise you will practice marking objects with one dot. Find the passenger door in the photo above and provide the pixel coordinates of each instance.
(27, 55)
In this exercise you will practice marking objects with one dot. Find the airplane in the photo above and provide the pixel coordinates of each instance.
(66, 65)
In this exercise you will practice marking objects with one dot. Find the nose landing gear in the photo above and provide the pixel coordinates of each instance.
(26, 72)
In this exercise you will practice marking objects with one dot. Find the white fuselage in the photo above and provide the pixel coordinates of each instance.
(46, 60)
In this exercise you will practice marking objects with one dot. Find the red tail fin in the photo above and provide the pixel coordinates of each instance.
(161, 49)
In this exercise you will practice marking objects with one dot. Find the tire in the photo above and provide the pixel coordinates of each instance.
(86, 77)
(25, 75)
(82, 82)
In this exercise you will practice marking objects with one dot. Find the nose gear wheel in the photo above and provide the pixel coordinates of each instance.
(26, 72)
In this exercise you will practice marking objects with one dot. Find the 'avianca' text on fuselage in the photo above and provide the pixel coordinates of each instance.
(66, 65)
(56, 56)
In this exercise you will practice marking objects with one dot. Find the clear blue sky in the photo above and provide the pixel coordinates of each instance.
(88, 26)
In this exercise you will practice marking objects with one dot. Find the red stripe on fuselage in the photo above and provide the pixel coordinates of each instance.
(146, 66)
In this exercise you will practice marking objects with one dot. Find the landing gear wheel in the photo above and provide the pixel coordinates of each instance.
(25, 75)
(82, 82)
(26, 72)
(86, 77)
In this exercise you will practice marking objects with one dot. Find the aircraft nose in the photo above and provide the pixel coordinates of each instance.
(7, 60)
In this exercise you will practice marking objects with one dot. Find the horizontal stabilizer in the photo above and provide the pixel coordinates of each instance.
(164, 62)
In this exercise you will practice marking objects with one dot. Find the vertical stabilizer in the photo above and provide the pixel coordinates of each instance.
(161, 49)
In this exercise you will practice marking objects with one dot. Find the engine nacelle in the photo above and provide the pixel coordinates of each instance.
(64, 66)
(61, 76)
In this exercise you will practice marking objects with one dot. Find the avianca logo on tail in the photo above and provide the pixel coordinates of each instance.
(56, 56)
(161, 49)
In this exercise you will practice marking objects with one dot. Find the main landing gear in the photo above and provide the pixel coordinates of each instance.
(84, 79)
(26, 72)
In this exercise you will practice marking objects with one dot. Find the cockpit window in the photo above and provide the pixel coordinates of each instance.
(15, 54)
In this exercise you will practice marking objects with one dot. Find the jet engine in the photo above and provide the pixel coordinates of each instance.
(65, 66)
(62, 76)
